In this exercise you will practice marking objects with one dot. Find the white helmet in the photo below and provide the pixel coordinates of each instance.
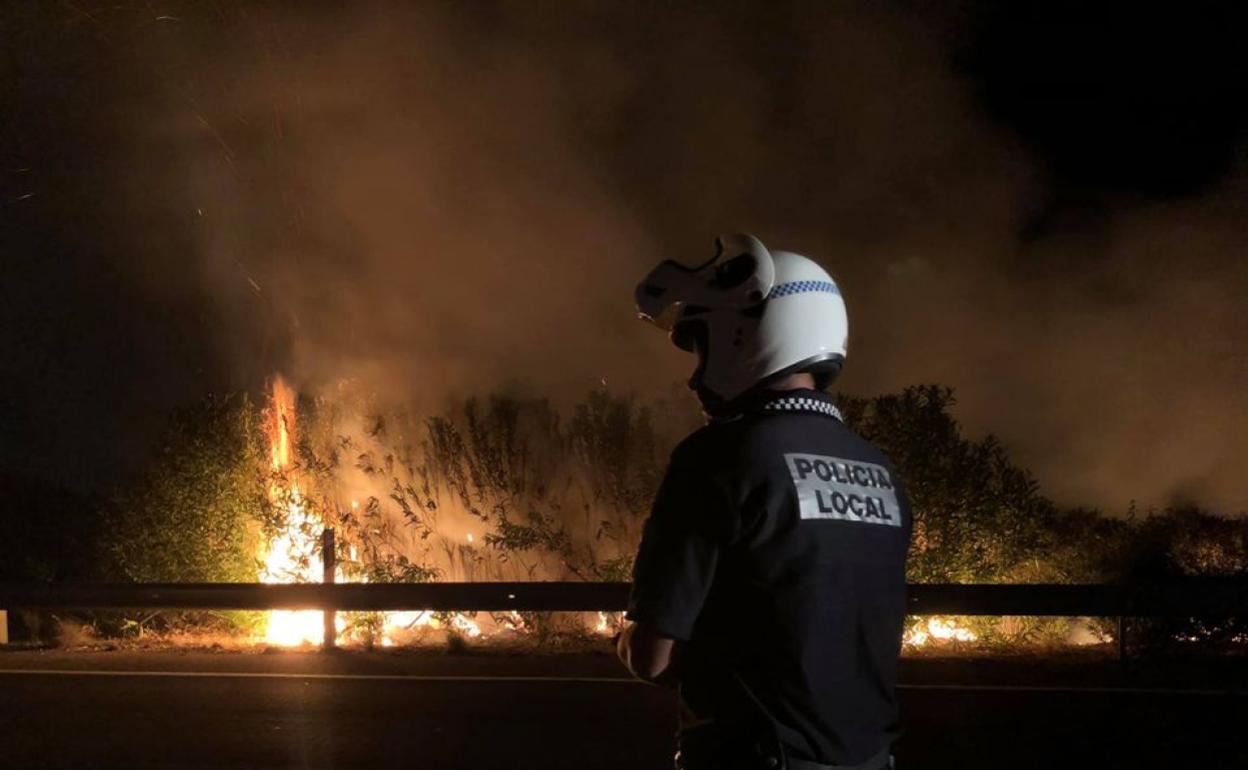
(751, 315)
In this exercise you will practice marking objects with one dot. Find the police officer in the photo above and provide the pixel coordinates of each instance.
(770, 582)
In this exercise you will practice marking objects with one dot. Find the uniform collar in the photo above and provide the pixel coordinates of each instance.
(814, 401)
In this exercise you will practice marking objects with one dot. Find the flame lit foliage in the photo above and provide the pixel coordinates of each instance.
(293, 553)
(192, 516)
(485, 495)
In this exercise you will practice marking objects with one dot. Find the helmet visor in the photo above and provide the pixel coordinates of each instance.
(739, 275)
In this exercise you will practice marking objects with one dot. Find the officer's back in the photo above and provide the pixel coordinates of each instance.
(770, 582)
(804, 614)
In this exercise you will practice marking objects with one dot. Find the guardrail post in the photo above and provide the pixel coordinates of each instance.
(329, 638)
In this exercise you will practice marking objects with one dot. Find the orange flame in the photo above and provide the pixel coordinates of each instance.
(281, 421)
(935, 630)
(292, 555)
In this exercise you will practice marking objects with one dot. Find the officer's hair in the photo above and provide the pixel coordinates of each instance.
(824, 380)
(825, 373)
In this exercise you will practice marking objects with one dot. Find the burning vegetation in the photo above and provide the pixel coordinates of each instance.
(293, 552)
(291, 555)
(508, 487)
(470, 502)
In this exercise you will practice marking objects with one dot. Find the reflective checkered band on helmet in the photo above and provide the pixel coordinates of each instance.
(801, 287)
(804, 404)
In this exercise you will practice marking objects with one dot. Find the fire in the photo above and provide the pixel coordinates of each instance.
(937, 629)
(609, 623)
(281, 421)
(292, 556)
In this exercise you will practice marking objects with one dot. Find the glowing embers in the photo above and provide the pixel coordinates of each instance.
(609, 623)
(397, 624)
(936, 630)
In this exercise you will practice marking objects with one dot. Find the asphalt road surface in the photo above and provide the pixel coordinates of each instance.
(356, 710)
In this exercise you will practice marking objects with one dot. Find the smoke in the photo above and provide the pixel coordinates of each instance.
(432, 201)
(438, 199)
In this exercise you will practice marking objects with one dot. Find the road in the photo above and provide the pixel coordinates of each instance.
(357, 710)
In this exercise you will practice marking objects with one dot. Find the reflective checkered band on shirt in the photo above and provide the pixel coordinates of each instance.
(804, 404)
(801, 287)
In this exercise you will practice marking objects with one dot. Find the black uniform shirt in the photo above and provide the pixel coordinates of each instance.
(776, 550)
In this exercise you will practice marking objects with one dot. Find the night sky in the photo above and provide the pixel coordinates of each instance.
(1037, 204)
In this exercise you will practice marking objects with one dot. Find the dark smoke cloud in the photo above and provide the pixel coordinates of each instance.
(441, 198)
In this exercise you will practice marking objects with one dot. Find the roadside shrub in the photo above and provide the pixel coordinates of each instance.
(977, 516)
(1190, 549)
(192, 517)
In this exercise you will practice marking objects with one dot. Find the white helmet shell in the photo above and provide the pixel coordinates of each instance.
(752, 315)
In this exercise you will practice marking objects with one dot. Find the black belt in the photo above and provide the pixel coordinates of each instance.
(881, 761)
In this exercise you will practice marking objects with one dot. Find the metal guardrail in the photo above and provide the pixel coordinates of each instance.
(1195, 598)
(462, 597)
(1214, 598)
(1207, 598)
